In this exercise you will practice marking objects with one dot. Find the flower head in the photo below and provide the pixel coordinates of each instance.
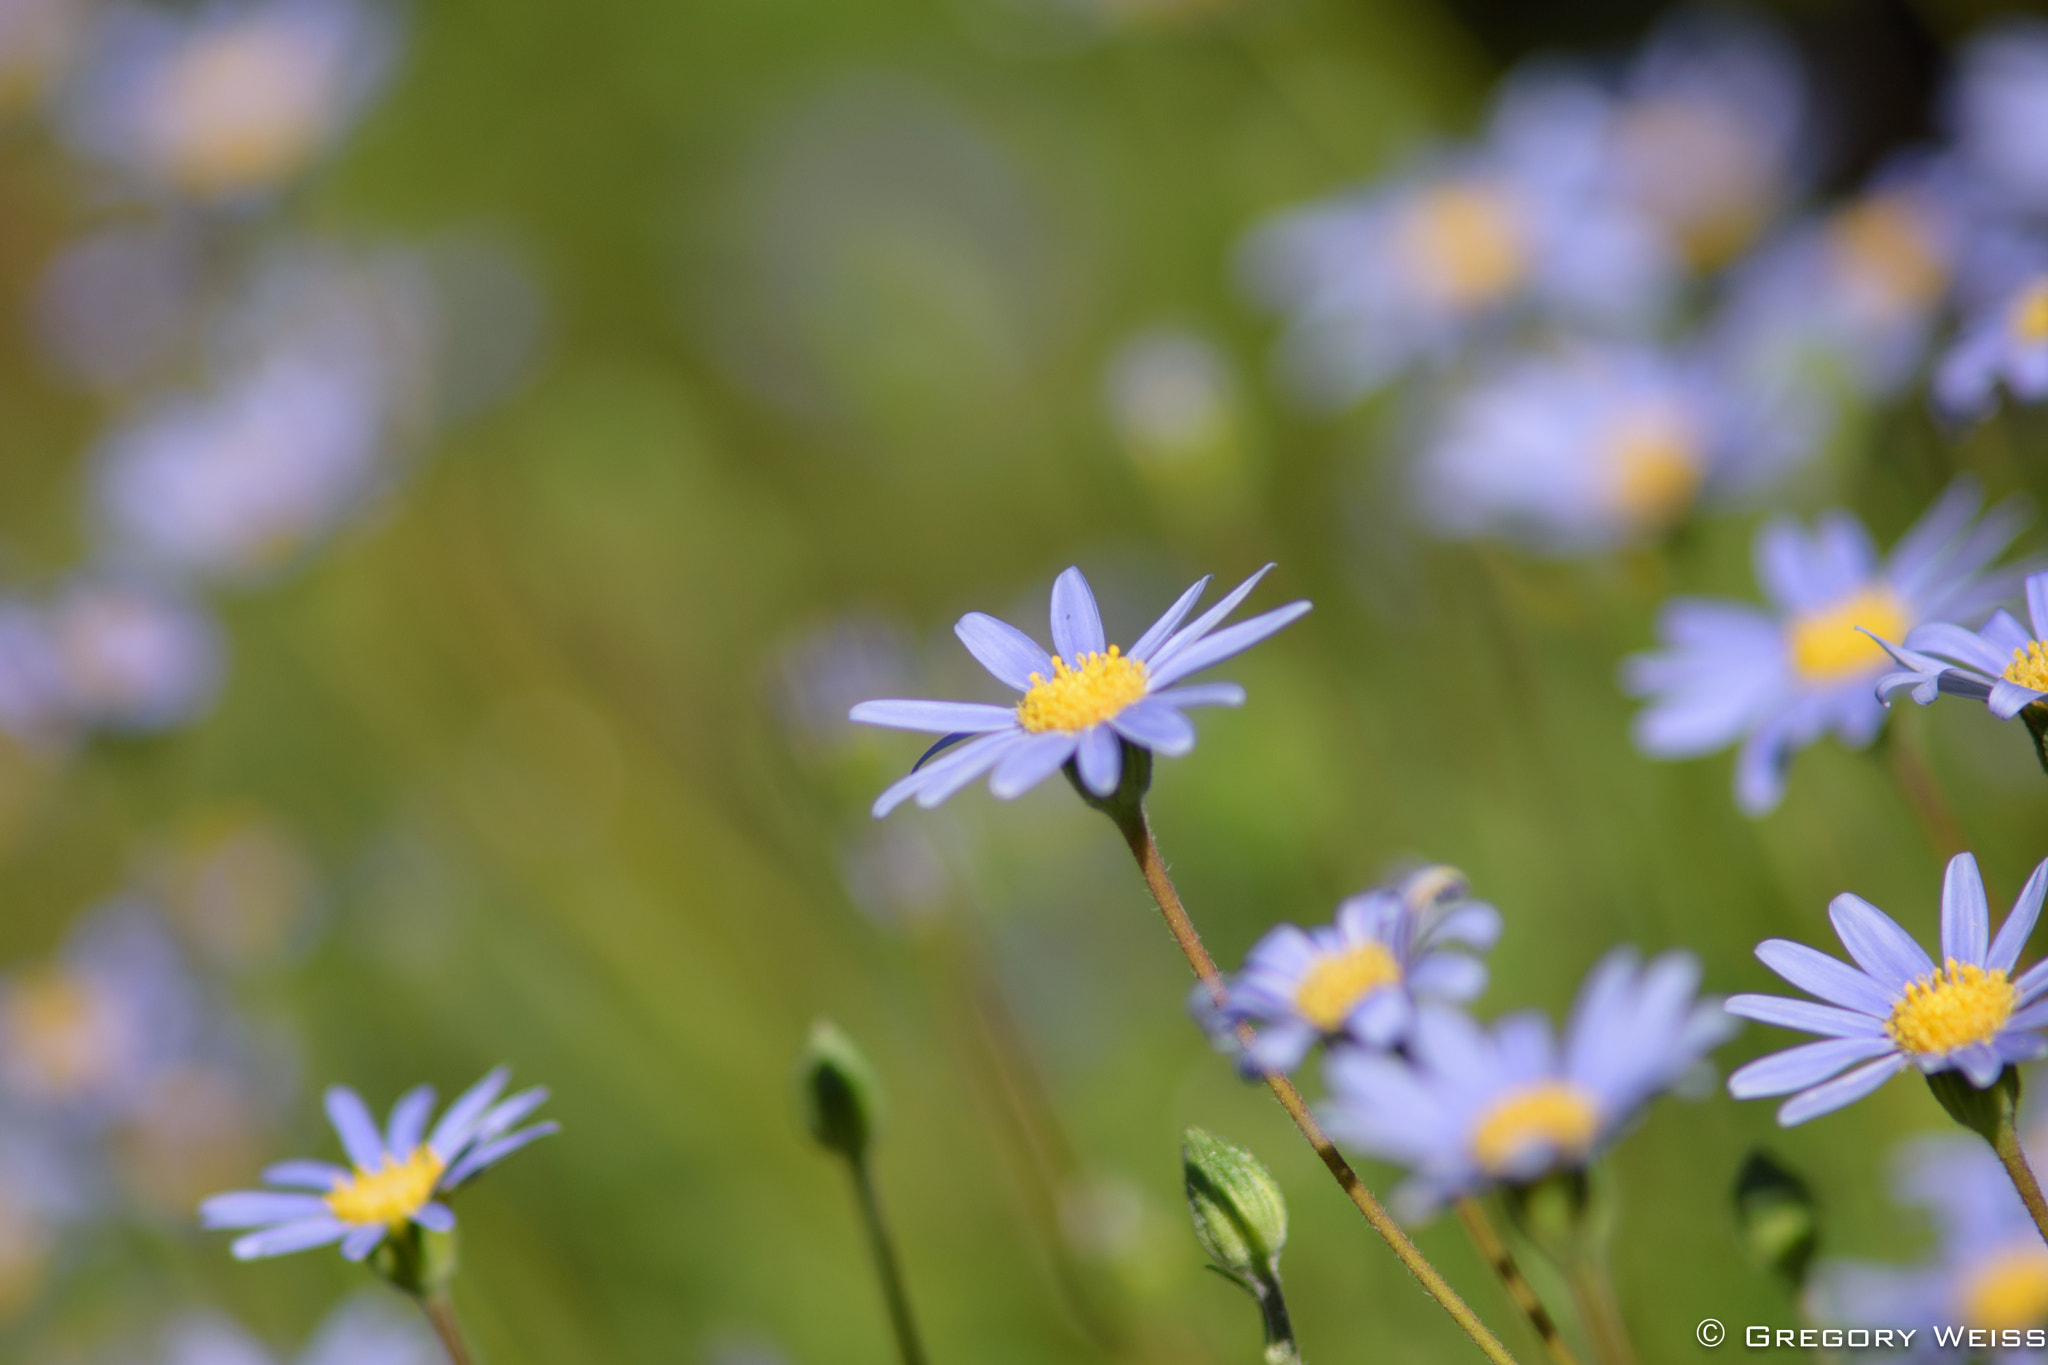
(394, 1177)
(1469, 1108)
(1972, 1012)
(1081, 703)
(1778, 678)
(1359, 978)
(2006, 343)
(2004, 664)
(1996, 109)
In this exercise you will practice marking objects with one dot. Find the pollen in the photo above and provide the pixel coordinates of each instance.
(1655, 467)
(2008, 1289)
(1335, 982)
(2029, 666)
(1954, 1007)
(2029, 317)
(389, 1195)
(1884, 242)
(1826, 645)
(1555, 1114)
(1463, 241)
(1076, 698)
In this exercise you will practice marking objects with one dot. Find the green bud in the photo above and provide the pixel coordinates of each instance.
(1240, 1215)
(1780, 1223)
(842, 1099)
(1984, 1112)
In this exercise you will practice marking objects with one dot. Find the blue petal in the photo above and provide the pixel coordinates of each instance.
(258, 1208)
(1842, 1090)
(1818, 974)
(2008, 699)
(458, 1125)
(1204, 694)
(2037, 604)
(935, 717)
(491, 1153)
(1965, 917)
(436, 1217)
(1796, 1068)
(1877, 943)
(1163, 627)
(2013, 934)
(1029, 762)
(1100, 759)
(1207, 621)
(1979, 1062)
(361, 1241)
(299, 1236)
(1076, 622)
(358, 1131)
(508, 1112)
(309, 1175)
(409, 1120)
(948, 774)
(1154, 724)
(1226, 642)
(1002, 649)
(1803, 1015)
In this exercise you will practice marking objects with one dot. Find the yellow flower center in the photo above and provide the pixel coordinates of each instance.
(242, 109)
(2008, 1289)
(2029, 666)
(1335, 982)
(389, 1195)
(1656, 467)
(1464, 242)
(2029, 317)
(60, 1032)
(1827, 646)
(1883, 241)
(1958, 1005)
(1555, 1113)
(1073, 699)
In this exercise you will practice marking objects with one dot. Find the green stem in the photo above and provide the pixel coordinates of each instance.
(1496, 1253)
(1923, 795)
(1593, 1292)
(1137, 831)
(893, 1291)
(440, 1311)
(1280, 1347)
(2006, 1142)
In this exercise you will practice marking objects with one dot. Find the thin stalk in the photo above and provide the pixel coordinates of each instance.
(894, 1293)
(1593, 1292)
(1280, 1347)
(1496, 1253)
(1924, 797)
(440, 1311)
(1137, 832)
(2013, 1154)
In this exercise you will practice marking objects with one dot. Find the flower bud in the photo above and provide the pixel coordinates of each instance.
(841, 1098)
(1775, 1210)
(1239, 1213)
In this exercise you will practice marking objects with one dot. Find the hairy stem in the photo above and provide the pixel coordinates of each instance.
(1137, 832)
(2010, 1151)
(440, 1311)
(1496, 1253)
(1593, 1292)
(894, 1293)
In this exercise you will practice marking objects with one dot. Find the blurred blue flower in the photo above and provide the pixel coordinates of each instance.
(1468, 1108)
(1857, 291)
(230, 101)
(1359, 978)
(393, 1178)
(136, 655)
(1597, 447)
(2004, 664)
(1778, 678)
(1896, 1005)
(115, 306)
(1080, 703)
(362, 1331)
(1997, 107)
(2005, 343)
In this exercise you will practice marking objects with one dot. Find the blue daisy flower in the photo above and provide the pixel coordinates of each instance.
(1360, 977)
(2006, 343)
(1898, 1007)
(1776, 679)
(1468, 1108)
(394, 1178)
(2004, 665)
(1989, 1270)
(1081, 703)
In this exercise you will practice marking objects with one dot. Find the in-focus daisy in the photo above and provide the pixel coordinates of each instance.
(1596, 447)
(2005, 344)
(1468, 1108)
(2004, 664)
(1360, 977)
(1989, 1270)
(1970, 1012)
(1082, 702)
(394, 1177)
(1776, 678)
(232, 100)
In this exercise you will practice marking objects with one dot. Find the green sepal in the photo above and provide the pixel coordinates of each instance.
(1984, 1112)
(417, 1260)
(840, 1094)
(1124, 804)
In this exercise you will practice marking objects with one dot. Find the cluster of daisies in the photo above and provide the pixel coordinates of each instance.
(259, 383)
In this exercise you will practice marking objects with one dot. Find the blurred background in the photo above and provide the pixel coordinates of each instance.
(462, 460)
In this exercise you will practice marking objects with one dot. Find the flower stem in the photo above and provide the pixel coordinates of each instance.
(440, 1311)
(1593, 1292)
(893, 1291)
(1137, 832)
(1484, 1236)
(2006, 1142)
(1923, 795)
